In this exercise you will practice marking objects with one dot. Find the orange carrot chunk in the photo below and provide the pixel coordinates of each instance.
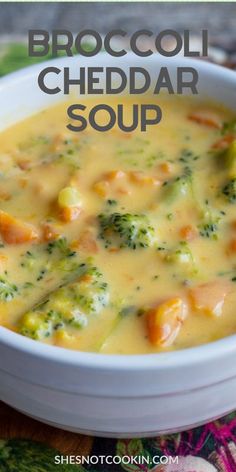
(165, 167)
(165, 320)
(115, 174)
(140, 178)
(69, 214)
(49, 232)
(231, 247)
(86, 242)
(209, 298)
(188, 233)
(102, 188)
(223, 143)
(14, 231)
(206, 118)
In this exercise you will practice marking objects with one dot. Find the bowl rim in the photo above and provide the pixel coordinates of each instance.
(129, 362)
(191, 356)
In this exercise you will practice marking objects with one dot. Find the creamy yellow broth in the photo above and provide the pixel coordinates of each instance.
(157, 275)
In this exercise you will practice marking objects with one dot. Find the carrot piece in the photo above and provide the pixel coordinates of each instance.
(124, 191)
(62, 338)
(24, 164)
(115, 174)
(5, 196)
(14, 231)
(209, 298)
(206, 118)
(57, 142)
(165, 167)
(23, 183)
(101, 188)
(188, 233)
(49, 232)
(165, 320)
(232, 245)
(87, 243)
(3, 259)
(141, 178)
(223, 143)
(69, 214)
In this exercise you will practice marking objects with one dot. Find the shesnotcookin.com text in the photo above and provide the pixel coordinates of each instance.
(109, 460)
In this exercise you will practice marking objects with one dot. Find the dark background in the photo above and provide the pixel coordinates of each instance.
(218, 17)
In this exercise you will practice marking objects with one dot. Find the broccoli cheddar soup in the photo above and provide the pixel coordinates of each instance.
(120, 242)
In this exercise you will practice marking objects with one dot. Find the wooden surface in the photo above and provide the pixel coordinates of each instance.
(17, 425)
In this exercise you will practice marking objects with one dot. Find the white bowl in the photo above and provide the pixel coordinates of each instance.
(111, 395)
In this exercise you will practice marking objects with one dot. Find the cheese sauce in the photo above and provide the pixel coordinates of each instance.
(120, 242)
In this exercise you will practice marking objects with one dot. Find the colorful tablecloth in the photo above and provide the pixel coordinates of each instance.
(29, 446)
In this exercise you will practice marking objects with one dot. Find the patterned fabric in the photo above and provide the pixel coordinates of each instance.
(210, 448)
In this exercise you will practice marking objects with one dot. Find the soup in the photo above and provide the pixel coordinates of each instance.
(120, 242)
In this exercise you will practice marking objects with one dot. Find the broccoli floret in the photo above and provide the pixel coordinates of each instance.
(28, 260)
(229, 127)
(91, 293)
(230, 159)
(126, 230)
(68, 306)
(36, 325)
(209, 230)
(210, 226)
(181, 254)
(229, 191)
(61, 244)
(210, 221)
(180, 186)
(182, 259)
(23, 455)
(7, 291)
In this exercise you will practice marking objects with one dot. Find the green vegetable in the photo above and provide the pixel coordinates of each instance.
(61, 244)
(68, 306)
(41, 274)
(69, 197)
(209, 227)
(187, 156)
(209, 230)
(63, 258)
(180, 255)
(230, 158)
(16, 56)
(229, 127)
(111, 202)
(28, 260)
(229, 191)
(126, 230)
(180, 186)
(7, 291)
(35, 141)
(128, 310)
(20, 455)
(36, 325)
